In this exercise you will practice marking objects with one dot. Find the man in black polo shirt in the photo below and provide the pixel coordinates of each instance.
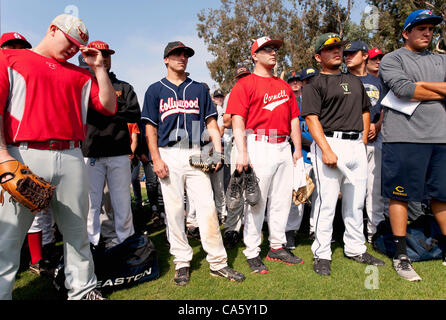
(336, 110)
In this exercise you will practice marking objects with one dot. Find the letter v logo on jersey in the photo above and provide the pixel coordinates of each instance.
(272, 102)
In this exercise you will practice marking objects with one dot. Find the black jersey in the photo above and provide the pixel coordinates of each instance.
(339, 100)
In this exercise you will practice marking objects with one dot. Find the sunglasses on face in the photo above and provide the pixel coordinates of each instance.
(269, 49)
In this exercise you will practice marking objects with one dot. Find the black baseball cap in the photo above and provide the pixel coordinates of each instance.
(293, 75)
(356, 46)
(177, 45)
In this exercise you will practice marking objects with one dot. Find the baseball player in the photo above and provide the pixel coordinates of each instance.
(107, 149)
(372, 65)
(336, 110)
(356, 56)
(264, 118)
(58, 94)
(234, 218)
(40, 234)
(414, 150)
(177, 111)
(297, 211)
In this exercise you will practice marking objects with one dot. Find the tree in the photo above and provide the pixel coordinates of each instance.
(230, 30)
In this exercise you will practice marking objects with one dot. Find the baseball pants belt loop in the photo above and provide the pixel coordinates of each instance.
(48, 144)
(270, 139)
(344, 135)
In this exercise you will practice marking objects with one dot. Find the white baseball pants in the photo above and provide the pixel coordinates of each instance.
(199, 191)
(352, 163)
(116, 170)
(374, 202)
(273, 165)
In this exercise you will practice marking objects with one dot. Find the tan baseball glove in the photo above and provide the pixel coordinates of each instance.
(26, 188)
(303, 194)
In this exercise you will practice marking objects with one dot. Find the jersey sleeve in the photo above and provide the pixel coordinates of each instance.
(311, 100)
(238, 101)
(95, 101)
(208, 106)
(366, 103)
(393, 75)
(150, 110)
(4, 84)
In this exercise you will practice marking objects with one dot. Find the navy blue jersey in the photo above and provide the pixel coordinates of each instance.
(376, 90)
(178, 111)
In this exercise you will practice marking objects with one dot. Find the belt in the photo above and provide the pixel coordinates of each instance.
(270, 139)
(343, 135)
(49, 144)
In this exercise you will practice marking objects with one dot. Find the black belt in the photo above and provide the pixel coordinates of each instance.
(343, 135)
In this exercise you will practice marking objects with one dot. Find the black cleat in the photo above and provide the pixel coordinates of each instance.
(234, 193)
(229, 274)
(283, 255)
(257, 265)
(230, 239)
(182, 276)
(367, 258)
(322, 267)
(251, 186)
(290, 239)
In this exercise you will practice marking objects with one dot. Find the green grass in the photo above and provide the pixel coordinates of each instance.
(283, 282)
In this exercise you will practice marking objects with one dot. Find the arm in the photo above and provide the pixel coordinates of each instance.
(107, 95)
(133, 144)
(159, 166)
(4, 154)
(429, 91)
(238, 125)
(317, 132)
(375, 128)
(214, 133)
(366, 124)
(227, 121)
(295, 136)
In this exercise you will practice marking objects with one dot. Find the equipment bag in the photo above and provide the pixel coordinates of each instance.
(421, 239)
(131, 262)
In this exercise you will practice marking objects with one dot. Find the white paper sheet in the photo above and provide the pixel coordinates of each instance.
(402, 105)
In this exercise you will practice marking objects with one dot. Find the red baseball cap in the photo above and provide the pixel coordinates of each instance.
(374, 52)
(264, 41)
(9, 36)
(101, 45)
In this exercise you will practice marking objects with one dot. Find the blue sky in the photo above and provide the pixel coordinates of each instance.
(137, 29)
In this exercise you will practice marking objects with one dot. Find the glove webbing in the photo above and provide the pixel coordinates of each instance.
(34, 192)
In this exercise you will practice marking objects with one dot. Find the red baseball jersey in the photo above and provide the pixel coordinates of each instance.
(43, 99)
(266, 103)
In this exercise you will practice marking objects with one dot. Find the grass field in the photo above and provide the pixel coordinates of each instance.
(349, 280)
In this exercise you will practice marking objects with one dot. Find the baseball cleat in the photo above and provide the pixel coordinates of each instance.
(251, 186)
(93, 295)
(257, 265)
(229, 274)
(182, 276)
(322, 266)
(234, 193)
(367, 258)
(283, 255)
(403, 266)
(290, 239)
(230, 239)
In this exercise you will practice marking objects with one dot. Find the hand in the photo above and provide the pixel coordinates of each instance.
(330, 159)
(297, 154)
(373, 132)
(144, 159)
(161, 169)
(242, 161)
(93, 57)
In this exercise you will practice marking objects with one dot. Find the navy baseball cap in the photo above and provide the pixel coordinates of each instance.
(218, 93)
(420, 17)
(308, 73)
(356, 46)
(177, 45)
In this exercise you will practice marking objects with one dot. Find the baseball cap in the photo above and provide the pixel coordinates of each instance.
(101, 45)
(328, 40)
(175, 45)
(308, 73)
(14, 36)
(356, 46)
(293, 75)
(73, 28)
(241, 70)
(421, 16)
(374, 52)
(218, 93)
(265, 41)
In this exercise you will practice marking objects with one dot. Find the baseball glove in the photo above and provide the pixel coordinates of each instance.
(207, 162)
(302, 195)
(25, 187)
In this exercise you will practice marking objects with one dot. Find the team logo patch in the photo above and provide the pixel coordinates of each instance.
(51, 65)
(118, 94)
(399, 191)
(345, 88)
